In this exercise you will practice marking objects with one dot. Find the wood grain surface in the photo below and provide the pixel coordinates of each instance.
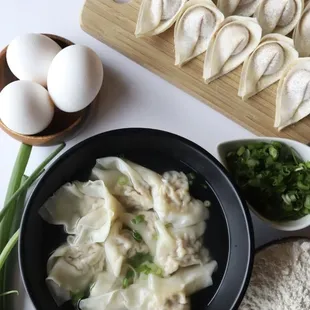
(114, 24)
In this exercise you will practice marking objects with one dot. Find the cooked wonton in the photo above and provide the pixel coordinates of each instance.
(155, 292)
(130, 187)
(146, 228)
(68, 205)
(144, 189)
(72, 269)
(174, 204)
(180, 247)
(109, 301)
(119, 246)
(87, 211)
(105, 283)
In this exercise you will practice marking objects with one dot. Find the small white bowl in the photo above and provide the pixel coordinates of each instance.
(304, 152)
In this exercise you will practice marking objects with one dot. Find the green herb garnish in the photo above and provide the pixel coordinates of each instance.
(148, 268)
(126, 282)
(76, 297)
(207, 203)
(141, 263)
(139, 259)
(273, 179)
(123, 180)
(136, 236)
(138, 219)
(191, 178)
(131, 276)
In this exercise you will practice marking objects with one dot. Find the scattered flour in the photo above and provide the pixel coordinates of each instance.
(269, 59)
(279, 12)
(280, 278)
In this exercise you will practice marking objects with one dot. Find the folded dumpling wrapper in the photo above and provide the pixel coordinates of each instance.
(110, 301)
(67, 206)
(301, 35)
(280, 16)
(86, 210)
(96, 225)
(115, 250)
(146, 228)
(105, 282)
(179, 247)
(173, 203)
(266, 64)
(156, 16)
(197, 22)
(155, 292)
(293, 95)
(131, 183)
(119, 246)
(189, 280)
(165, 247)
(145, 189)
(72, 269)
(233, 42)
(238, 7)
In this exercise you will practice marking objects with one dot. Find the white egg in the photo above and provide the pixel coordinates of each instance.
(75, 78)
(29, 57)
(26, 107)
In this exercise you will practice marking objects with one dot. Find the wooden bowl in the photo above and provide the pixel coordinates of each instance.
(63, 124)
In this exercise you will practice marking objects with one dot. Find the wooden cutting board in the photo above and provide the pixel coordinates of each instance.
(114, 24)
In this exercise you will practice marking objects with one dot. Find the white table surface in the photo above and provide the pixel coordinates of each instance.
(132, 97)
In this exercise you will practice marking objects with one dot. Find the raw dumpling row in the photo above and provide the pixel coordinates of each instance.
(229, 36)
(100, 219)
(274, 16)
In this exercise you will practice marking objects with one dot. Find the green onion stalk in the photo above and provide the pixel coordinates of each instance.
(11, 212)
